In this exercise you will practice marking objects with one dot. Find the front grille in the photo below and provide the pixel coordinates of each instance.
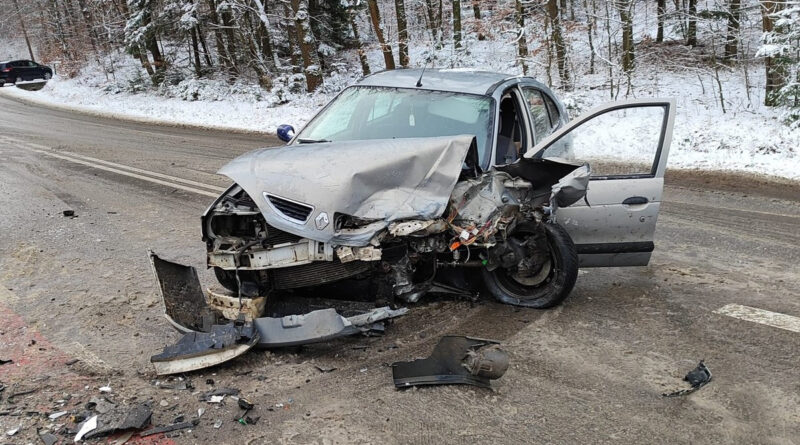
(290, 209)
(275, 236)
(316, 273)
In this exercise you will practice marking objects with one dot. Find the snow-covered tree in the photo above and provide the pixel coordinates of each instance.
(781, 48)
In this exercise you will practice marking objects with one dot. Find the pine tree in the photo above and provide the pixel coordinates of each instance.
(781, 49)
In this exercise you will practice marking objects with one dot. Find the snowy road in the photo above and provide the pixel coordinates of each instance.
(589, 371)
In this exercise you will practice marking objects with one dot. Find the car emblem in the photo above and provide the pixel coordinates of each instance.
(322, 221)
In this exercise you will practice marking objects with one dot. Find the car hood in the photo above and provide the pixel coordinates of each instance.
(377, 180)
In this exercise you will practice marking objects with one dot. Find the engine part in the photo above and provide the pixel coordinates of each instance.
(455, 360)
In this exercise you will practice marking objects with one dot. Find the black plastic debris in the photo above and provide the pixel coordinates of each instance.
(68, 213)
(180, 385)
(170, 428)
(198, 350)
(455, 360)
(121, 418)
(6, 361)
(245, 404)
(48, 439)
(247, 420)
(697, 378)
(209, 396)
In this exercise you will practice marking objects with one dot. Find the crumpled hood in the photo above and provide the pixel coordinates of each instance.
(383, 180)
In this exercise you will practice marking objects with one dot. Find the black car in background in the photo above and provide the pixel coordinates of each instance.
(16, 71)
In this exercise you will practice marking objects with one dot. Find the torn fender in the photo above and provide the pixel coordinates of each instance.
(302, 189)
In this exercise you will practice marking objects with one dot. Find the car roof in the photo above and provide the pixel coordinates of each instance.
(457, 80)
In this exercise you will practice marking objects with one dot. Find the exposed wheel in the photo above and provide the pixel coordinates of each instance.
(549, 284)
(48, 76)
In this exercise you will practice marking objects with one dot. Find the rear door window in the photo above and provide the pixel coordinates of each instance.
(540, 118)
(552, 110)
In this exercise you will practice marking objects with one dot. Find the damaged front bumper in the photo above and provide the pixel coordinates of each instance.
(210, 338)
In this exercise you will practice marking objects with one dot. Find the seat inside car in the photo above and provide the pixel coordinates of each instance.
(509, 136)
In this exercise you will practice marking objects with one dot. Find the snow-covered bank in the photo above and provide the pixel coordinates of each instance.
(743, 138)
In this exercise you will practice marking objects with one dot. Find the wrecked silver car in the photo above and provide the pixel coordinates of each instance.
(409, 177)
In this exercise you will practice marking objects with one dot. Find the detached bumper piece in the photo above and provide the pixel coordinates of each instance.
(198, 350)
(210, 338)
(455, 360)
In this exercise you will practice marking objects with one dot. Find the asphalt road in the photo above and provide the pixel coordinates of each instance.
(590, 371)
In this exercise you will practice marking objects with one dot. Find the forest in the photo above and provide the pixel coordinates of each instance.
(298, 44)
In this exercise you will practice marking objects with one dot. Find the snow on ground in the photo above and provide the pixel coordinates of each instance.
(745, 137)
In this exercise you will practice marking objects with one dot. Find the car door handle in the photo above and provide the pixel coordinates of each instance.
(633, 200)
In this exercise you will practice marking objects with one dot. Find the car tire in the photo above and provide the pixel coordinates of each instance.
(554, 288)
(47, 76)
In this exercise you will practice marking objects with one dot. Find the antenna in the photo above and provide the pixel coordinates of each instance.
(419, 81)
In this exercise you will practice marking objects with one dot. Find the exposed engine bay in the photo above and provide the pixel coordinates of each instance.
(386, 216)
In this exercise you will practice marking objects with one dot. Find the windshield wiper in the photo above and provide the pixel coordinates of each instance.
(311, 141)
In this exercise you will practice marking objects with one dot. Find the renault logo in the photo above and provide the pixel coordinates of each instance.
(322, 221)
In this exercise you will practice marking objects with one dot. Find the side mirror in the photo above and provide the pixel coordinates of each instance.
(285, 132)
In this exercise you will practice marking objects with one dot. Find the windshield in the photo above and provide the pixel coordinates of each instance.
(362, 113)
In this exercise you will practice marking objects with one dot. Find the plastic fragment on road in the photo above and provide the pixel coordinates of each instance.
(121, 418)
(48, 438)
(85, 428)
(199, 350)
(13, 431)
(697, 378)
(170, 428)
(455, 360)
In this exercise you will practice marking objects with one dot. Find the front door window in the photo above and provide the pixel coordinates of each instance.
(619, 142)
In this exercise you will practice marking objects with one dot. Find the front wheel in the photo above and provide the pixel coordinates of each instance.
(47, 76)
(546, 287)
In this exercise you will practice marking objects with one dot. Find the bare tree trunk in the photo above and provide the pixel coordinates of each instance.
(662, 11)
(625, 16)
(230, 36)
(375, 17)
(308, 45)
(435, 21)
(402, 32)
(87, 18)
(559, 44)
(776, 72)
(198, 68)
(590, 27)
(691, 30)
(732, 39)
(457, 24)
(476, 11)
(24, 30)
(362, 55)
(206, 53)
(294, 50)
(522, 42)
(222, 55)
